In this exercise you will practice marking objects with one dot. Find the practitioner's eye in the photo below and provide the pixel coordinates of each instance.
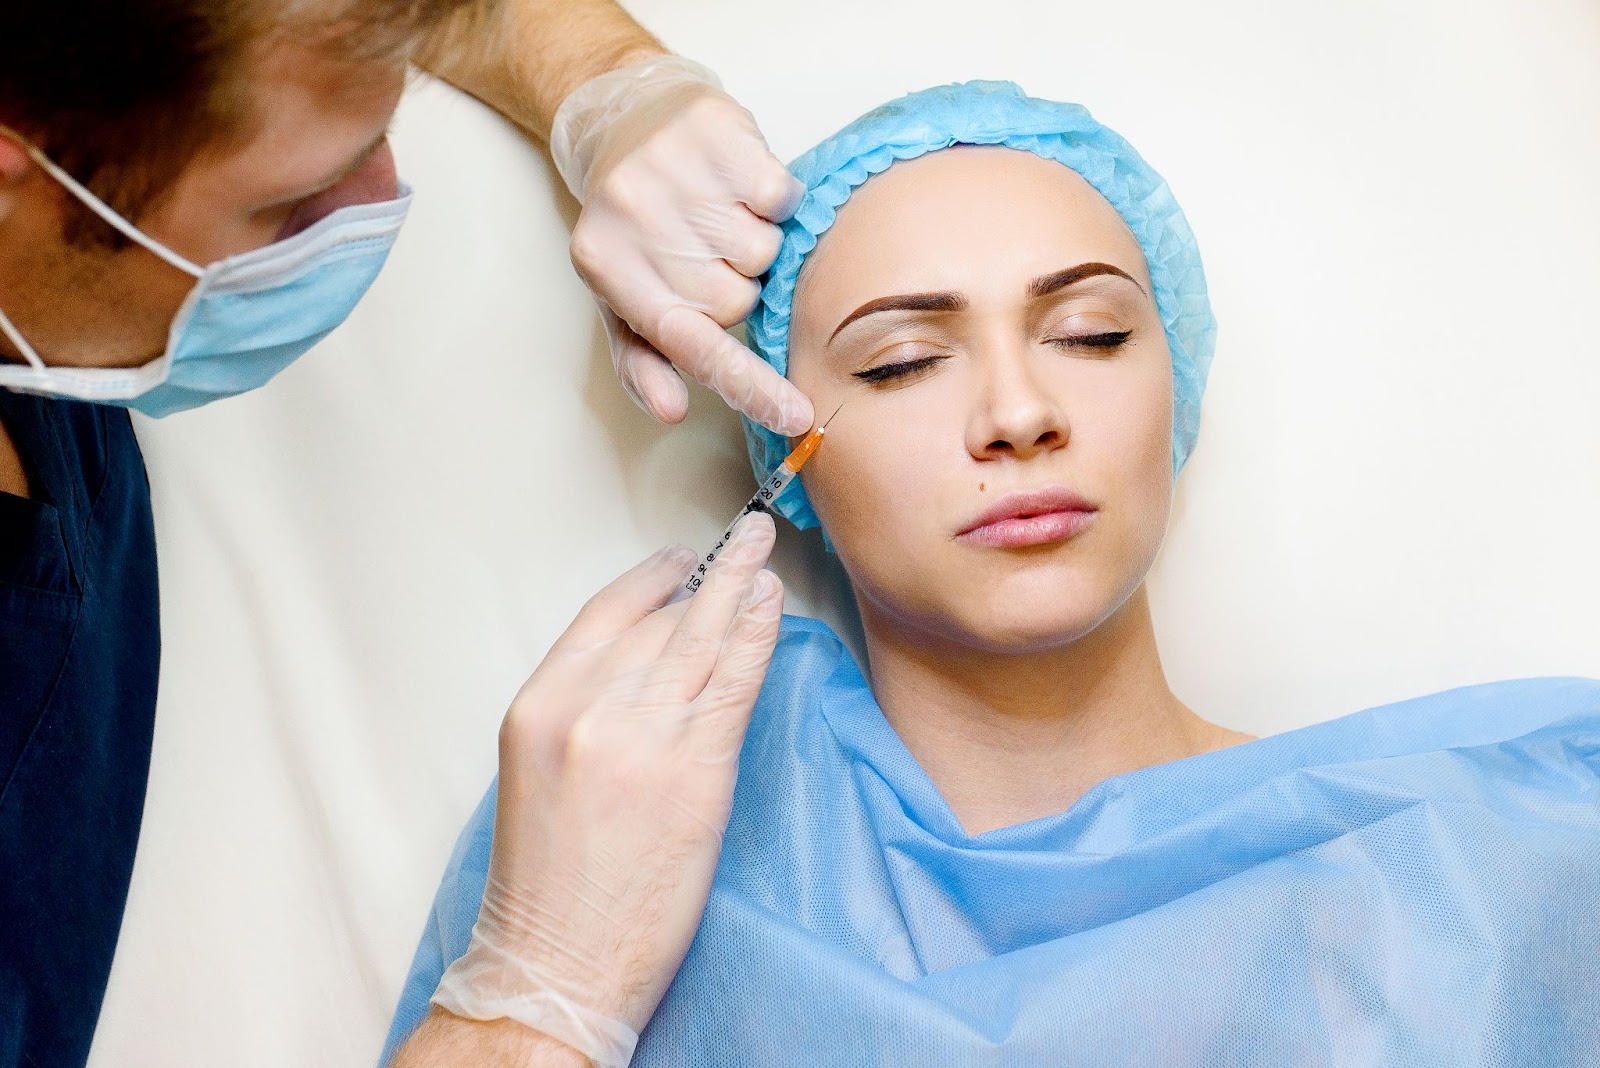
(1104, 342)
(901, 372)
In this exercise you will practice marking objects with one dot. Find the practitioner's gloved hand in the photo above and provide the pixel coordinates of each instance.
(681, 196)
(617, 765)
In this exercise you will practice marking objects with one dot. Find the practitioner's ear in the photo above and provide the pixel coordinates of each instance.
(16, 165)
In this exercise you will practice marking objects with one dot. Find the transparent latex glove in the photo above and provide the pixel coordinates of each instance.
(681, 198)
(617, 764)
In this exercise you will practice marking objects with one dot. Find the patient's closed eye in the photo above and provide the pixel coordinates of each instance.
(899, 372)
(1105, 340)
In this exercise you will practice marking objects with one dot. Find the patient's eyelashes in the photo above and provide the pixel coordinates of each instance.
(1110, 340)
(904, 371)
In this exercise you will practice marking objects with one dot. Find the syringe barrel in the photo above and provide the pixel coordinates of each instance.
(761, 502)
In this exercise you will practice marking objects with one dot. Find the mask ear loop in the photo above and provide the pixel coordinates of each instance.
(6, 326)
(100, 208)
(21, 343)
(104, 210)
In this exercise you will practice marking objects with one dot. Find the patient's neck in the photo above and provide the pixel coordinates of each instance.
(1009, 738)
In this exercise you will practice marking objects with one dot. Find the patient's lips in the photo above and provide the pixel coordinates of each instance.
(1033, 517)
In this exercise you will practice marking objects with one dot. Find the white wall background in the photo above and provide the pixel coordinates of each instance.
(1396, 489)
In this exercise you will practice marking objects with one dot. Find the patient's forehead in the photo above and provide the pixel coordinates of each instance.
(978, 219)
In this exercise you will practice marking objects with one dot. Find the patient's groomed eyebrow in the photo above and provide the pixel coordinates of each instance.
(948, 302)
(1047, 284)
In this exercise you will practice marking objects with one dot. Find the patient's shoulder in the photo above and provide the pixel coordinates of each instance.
(803, 628)
(1490, 713)
(810, 665)
(808, 645)
(1521, 703)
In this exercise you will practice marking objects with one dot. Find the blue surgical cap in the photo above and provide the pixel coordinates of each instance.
(991, 113)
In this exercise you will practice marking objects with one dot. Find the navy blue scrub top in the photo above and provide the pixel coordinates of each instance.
(79, 645)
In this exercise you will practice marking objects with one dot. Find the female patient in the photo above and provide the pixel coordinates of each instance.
(1010, 843)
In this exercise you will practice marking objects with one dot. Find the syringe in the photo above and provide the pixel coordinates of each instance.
(764, 497)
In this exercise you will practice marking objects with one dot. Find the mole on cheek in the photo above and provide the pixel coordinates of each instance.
(982, 486)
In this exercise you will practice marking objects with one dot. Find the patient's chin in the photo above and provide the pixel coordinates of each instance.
(1014, 630)
(989, 603)
(1005, 621)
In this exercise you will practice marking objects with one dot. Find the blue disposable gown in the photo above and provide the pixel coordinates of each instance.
(1416, 884)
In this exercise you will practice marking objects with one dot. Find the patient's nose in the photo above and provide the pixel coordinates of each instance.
(1015, 414)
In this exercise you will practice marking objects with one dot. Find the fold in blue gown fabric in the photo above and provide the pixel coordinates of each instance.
(1413, 885)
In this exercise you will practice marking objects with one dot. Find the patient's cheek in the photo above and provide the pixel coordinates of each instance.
(844, 487)
(874, 508)
(823, 481)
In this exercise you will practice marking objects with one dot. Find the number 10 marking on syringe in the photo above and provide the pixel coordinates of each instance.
(764, 497)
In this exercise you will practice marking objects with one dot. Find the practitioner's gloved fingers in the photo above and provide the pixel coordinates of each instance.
(747, 383)
(681, 199)
(617, 767)
(734, 584)
(721, 712)
(629, 598)
(642, 645)
(647, 377)
(750, 245)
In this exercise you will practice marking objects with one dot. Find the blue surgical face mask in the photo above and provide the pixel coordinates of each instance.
(247, 318)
